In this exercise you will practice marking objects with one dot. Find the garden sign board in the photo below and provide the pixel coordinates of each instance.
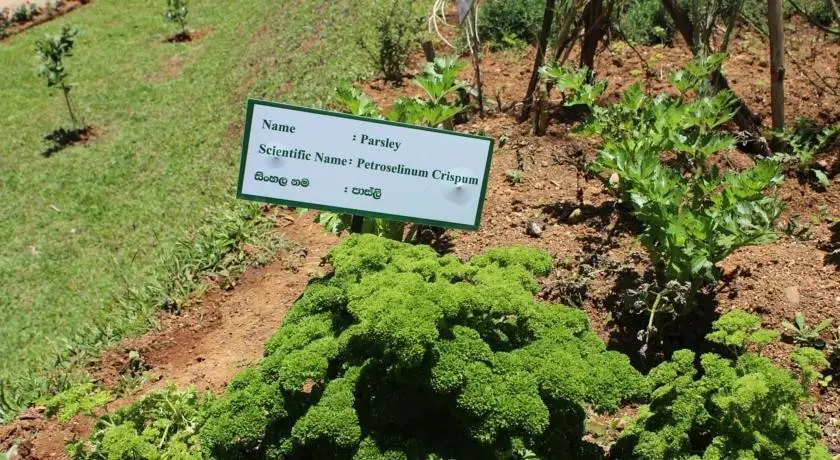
(316, 159)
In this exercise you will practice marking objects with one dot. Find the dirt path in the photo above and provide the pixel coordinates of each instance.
(205, 346)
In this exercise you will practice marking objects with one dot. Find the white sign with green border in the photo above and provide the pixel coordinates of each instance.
(311, 158)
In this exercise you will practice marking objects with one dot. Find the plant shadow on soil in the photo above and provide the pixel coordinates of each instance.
(62, 138)
(672, 332)
(832, 248)
(436, 237)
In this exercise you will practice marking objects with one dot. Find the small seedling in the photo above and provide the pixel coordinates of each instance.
(513, 176)
(25, 12)
(804, 143)
(52, 50)
(739, 330)
(798, 230)
(801, 333)
(397, 32)
(811, 363)
(176, 12)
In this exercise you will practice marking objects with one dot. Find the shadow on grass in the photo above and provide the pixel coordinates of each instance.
(62, 138)
(181, 37)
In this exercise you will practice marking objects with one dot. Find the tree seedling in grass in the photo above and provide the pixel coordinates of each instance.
(801, 333)
(739, 330)
(176, 12)
(52, 51)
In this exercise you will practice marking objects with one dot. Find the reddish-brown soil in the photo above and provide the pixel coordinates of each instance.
(208, 344)
(43, 15)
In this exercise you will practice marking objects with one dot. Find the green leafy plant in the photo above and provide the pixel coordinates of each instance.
(833, 353)
(52, 50)
(82, 398)
(25, 12)
(398, 29)
(739, 330)
(54, 6)
(11, 402)
(801, 333)
(819, 12)
(161, 425)
(177, 12)
(796, 229)
(645, 22)
(505, 22)
(804, 143)
(439, 79)
(402, 353)
(745, 409)
(811, 363)
(692, 213)
(513, 176)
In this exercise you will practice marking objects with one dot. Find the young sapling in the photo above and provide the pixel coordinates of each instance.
(176, 12)
(52, 50)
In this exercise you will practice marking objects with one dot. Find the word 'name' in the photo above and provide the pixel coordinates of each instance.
(274, 126)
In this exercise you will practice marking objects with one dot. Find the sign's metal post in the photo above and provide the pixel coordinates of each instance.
(356, 224)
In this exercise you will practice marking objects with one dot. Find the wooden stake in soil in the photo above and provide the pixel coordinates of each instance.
(777, 62)
(548, 19)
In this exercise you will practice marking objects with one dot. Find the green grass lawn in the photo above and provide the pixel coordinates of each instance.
(81, 228)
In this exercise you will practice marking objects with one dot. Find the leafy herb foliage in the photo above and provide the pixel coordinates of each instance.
(161, 425)
(739, 330)
(804, 143)
(693, 214)
(398, 29)
(5, 22)
(405, 354)
(801, 333)
(744, 409)
(505, 22)
(82, 398)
